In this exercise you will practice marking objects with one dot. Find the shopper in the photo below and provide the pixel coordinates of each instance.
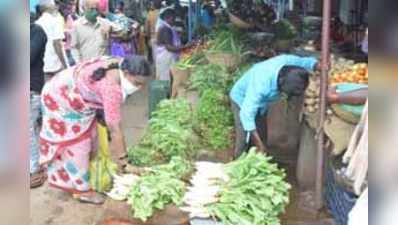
(54, 60)
(123, 43)
(38, 41)
(150, 28)
(91, 33)
(68, 11)
(261, 85)
(168, 45)
(70, 101)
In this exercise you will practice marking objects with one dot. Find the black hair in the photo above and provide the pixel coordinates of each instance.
(157, 4)
(168, 13)
(293, 80)
(136, 65)
(100, 73)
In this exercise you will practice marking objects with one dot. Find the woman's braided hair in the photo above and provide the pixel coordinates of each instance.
(101, 72)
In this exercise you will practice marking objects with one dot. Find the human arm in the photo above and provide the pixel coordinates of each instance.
(58, 47)
(255, 99)
(112, 102)
(56, 36)
(357, 97)
(165, 38)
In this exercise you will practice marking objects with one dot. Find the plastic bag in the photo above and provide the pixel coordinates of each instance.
(102, 167)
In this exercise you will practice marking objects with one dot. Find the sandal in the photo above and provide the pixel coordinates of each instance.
(90, 198)
(38, 179)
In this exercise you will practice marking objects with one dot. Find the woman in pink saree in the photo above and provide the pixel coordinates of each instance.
(69, 104)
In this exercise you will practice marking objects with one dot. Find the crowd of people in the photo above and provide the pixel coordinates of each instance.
(87, 59)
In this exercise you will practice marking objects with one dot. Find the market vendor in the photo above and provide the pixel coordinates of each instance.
(261, 85)
(168, 45)
(69, 104)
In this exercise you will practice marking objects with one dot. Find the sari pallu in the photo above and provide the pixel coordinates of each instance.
(68, 134)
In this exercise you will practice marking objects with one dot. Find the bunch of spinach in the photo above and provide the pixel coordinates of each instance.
(170, 133)
(256, 193)
(210, 76)
(160, 186)
(214, 120)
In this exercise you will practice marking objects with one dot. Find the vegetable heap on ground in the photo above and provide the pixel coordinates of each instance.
(162, 185)
(210, 76)
(214, 120)
(249, 191)
(170, 133)
(256, 193)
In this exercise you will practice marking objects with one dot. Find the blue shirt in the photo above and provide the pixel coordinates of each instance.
(259, 86)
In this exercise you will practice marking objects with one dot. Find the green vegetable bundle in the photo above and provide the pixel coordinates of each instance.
(256, 193)
(210, 76)
(214, 120)
(226, 41)
(188, 62)
(161, 186)
(170, 133)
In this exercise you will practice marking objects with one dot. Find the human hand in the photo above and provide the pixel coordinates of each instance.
(332, 95)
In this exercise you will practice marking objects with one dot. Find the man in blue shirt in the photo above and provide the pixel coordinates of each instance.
(261, 85)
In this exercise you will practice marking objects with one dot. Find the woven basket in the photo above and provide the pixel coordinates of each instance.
(223, 59)
(345, 115)
(238, 22)
(180, 80)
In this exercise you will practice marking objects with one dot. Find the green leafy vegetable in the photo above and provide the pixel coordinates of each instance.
(162, 185)
(210, 76)
(256, 193)
(170, 133)
(214, 120)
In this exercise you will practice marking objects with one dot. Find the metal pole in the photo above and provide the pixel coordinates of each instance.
(322, 104)
(190, 21)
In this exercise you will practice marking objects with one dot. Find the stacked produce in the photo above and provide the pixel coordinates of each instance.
(226, 41)
(357, 73)
(162, 185)
(251, 191)
(192, 56)
(122, 186)
(170, 133)
(311, 96)
(205, 188)
(210, 76)
(252, 11)
(214, 120)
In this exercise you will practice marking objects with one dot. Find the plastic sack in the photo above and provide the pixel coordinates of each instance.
(102, 167)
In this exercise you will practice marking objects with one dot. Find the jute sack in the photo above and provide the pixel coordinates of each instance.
(339, 132)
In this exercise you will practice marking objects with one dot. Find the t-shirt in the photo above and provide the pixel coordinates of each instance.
(165, 36)
(54, 30)
(38, 41)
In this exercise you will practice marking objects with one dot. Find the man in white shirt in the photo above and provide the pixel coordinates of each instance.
(54, 60)
(90, 35)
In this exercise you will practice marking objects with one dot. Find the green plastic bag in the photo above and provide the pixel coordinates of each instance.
(102, 167)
